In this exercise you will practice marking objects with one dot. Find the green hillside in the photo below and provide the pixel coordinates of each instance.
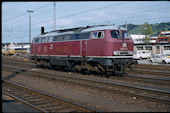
(156, 28)
(136, 30)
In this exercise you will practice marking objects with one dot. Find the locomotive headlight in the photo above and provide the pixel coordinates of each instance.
(130, 52)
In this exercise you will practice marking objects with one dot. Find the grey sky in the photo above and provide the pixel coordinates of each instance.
(15, 18)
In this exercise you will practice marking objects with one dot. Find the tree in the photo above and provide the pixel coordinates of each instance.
(147, 31)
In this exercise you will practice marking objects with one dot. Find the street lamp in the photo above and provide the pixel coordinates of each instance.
(139, 37)
(30, 11)
(145, 32)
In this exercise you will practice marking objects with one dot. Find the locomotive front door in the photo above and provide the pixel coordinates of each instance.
(83, 46)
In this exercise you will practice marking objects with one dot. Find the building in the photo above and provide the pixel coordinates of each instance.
(154, 48)
(138, 38)
(13, 46)
(163, 37)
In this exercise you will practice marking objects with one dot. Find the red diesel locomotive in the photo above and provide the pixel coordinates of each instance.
(103, 48)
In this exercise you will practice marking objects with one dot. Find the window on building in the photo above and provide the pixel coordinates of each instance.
(167, 48)
(167, 35)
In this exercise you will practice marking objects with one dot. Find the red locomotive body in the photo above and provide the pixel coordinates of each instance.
(93, 48)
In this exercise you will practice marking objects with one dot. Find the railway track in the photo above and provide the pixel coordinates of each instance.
(148, 79)
(151, 70)
(139, 78)
(131, 77)
(109, 86)
(41, 101)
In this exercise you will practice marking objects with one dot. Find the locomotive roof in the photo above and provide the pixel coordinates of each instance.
(81, 30)
(111, 27)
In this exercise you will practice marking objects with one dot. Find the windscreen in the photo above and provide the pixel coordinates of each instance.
(126, 35)
(115, 34)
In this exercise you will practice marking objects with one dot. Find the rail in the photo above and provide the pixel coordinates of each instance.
(75, 105)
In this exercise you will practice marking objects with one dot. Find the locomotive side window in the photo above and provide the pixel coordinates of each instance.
(33, 40)
(59, 38)
(72, 37)
(46, 39)
(98, 34)
(50, 39)
(115, 34)
(94, 35)
(37, 40)
(66, 37)
(54, 38)
(43, 39)
(101, 34)
(83, 36)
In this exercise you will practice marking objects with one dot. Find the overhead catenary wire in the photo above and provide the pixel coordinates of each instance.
(118, 15)
(63, 16)
(15, 8)
(25, 13)
(9, 21)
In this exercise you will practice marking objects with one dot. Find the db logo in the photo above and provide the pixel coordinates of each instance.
(124, 44)
(51, 46)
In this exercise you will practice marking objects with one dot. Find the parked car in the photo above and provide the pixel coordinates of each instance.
(139, 54)
(159, 58)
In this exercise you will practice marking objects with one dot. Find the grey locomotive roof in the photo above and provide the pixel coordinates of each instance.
(102, 28)
(55, 33)
(80, 30)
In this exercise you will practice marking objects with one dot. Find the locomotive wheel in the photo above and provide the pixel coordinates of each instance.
(77, 67)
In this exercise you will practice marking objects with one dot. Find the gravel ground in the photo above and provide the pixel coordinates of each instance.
(94, 98)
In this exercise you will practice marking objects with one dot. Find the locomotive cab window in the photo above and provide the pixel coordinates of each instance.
(98, 34)
(126, 34)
